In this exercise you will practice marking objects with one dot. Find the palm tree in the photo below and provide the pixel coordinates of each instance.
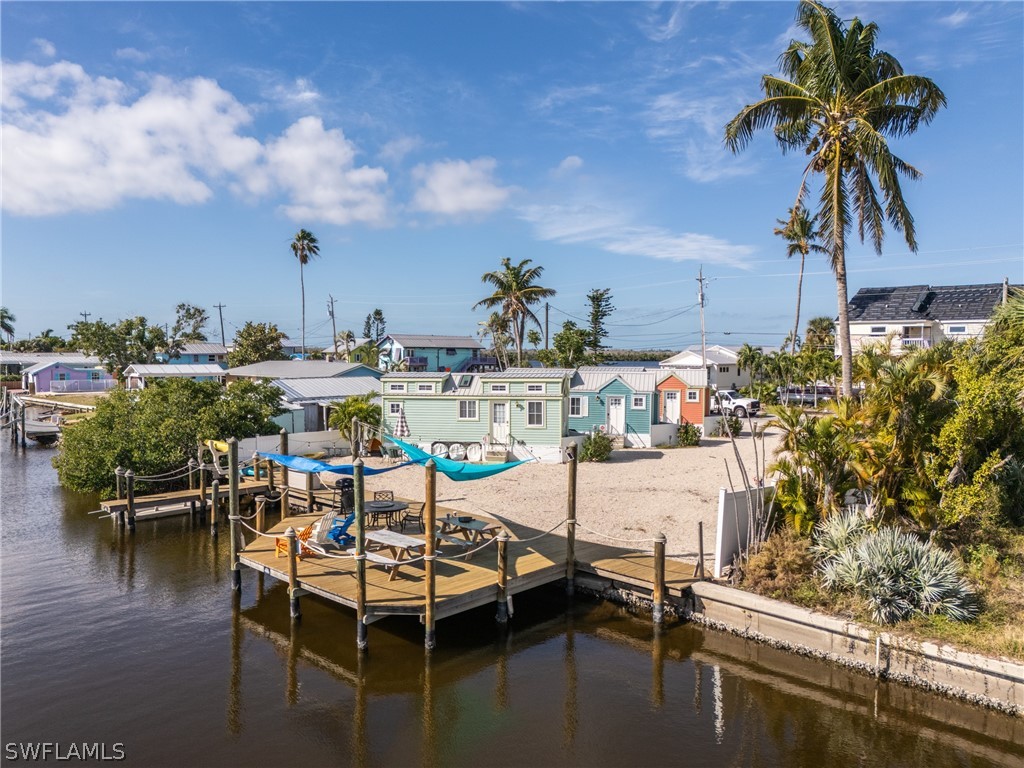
(800, 232)
(348, 339)
(496, 326)
(842, 101)
(820, 333)
(515, 291)
(305, 247)
(7, 323)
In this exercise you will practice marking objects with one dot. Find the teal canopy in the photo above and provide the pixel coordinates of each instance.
(454, 470)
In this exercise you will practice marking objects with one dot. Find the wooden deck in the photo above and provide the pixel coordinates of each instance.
(177, 502)
(460, 585)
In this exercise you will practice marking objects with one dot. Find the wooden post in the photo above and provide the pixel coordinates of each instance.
(502, 616)
(358, 491)
(233, 512)
(658, 595)
(283, 450)
(354, 437)
(270, 476)
(192, 474)
(24, 439)
(261, 514)
(293, 574)
(202, 490)
(700, 551)
(118, 474)
(256, 467)
(429, 525)
(309, 493)
(214, 503)
(129, 477)
(570, 534)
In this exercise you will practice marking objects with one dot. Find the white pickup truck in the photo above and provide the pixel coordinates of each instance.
(728, 401)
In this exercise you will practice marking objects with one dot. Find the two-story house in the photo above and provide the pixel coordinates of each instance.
(720, 360)
(420, 352)
(197, 353)
(916, 316)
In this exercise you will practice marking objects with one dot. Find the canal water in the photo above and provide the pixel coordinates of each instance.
(136, 643)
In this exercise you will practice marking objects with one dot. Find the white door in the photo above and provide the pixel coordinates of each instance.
(671, 407)
(616, 415)
(499, 422)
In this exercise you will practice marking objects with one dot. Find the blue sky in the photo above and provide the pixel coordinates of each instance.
(155, 153)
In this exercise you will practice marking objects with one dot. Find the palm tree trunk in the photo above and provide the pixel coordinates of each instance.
(843, 331)
(302, 283)
(799, 289)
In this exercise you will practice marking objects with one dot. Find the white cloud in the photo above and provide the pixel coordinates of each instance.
(458, 187)
(45, 47)
(316, 167)
(300, 93)
(76, 143)
(615, 231)
(660, 29)
(955, 19)
(569, 165)
(396, 149)
(131, 54)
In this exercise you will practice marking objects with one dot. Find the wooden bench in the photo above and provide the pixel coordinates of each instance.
(450, 539)
(387, 562)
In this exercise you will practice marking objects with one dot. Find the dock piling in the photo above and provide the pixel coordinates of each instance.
(214, 503)
(502, 616)
(430, 526)
(261, 514)
(24, 434)
(192, 464)
(233, 512)
(360, 511)
(129, 477)
(658, 593)
(294, 609)
(118, 475)
(283, 450)
(570, 534)
(699, 570)
(202, 490)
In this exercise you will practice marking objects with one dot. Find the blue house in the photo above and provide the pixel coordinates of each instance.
(197, 353)
(419, 352)
(622, 402)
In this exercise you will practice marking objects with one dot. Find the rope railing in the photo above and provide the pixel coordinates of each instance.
(615, 538)
(539, 535)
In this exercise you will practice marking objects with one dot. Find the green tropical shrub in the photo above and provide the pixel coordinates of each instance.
(688, 434)
(895, 572)
(596, 447)
(735, 426)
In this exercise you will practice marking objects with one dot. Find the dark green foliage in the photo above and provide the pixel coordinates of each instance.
(601, 308)
(120, 344)
(735, 426)
(157, 430)
(688, 434)
(255, 343)
(569, 348)
(596, 447)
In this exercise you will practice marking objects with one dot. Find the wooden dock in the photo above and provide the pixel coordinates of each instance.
(460, 584)
(155, 505)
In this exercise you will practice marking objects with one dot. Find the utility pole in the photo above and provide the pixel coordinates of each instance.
(700, 298)
(547, 312)
(334, 328)
(220, 311)
(85, 316)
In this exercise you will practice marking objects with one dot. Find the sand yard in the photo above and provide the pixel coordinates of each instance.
(633, 496)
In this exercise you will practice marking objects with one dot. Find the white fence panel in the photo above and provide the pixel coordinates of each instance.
(733, 522)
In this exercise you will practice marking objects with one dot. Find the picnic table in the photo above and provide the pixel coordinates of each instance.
(473, 531)
(401, 548)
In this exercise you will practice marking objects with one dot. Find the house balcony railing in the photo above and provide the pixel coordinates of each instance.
(413, 361)
(916, 343)
(88, 385)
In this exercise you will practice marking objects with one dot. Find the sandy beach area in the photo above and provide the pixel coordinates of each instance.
(634, 495)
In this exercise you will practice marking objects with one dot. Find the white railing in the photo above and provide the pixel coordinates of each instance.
(916, 343)
(88, 385)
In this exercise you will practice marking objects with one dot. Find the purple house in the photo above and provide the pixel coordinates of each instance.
(57, 376)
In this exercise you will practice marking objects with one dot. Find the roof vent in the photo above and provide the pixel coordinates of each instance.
(921, 298)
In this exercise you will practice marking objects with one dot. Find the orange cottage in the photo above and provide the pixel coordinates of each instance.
(679, 401)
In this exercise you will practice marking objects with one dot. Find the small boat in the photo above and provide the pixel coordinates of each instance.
(474, 452)
(439, 449)
(456, 451)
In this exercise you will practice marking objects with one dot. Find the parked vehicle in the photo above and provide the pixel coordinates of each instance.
(729, 402)
(805, 395)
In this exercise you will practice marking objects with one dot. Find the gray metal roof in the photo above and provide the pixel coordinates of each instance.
(204, 348)
(296, 369)
(716, 355)
(692, 377)
(593, 379)
(939, 303)
(32, 358)
(415, 340)
(528, 373)
(326, 390)
(432, 375)
(32, 369)
(175, 370)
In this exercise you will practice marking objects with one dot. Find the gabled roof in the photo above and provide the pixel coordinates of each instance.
(203, 348)
(418, 341)
(8, 357)
(528, 373)
(691, 377)
(715, 354)
(168, 370)
(938, 303)
(326, 390)
(298, 369)
(596, 378)
(415, 375)
(42, 366)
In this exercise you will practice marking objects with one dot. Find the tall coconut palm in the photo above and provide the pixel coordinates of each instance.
(841, 102)
(7, 323)
(820, 333)
(515, 291)
(348, 340)
(801, 234)
(305, 247)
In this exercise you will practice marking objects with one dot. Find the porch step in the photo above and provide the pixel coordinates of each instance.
(497, 456)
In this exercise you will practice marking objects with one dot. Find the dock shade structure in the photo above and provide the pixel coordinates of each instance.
(137, 375)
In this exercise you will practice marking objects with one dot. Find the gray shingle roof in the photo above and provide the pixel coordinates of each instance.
(415, 341)
(941, 303)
